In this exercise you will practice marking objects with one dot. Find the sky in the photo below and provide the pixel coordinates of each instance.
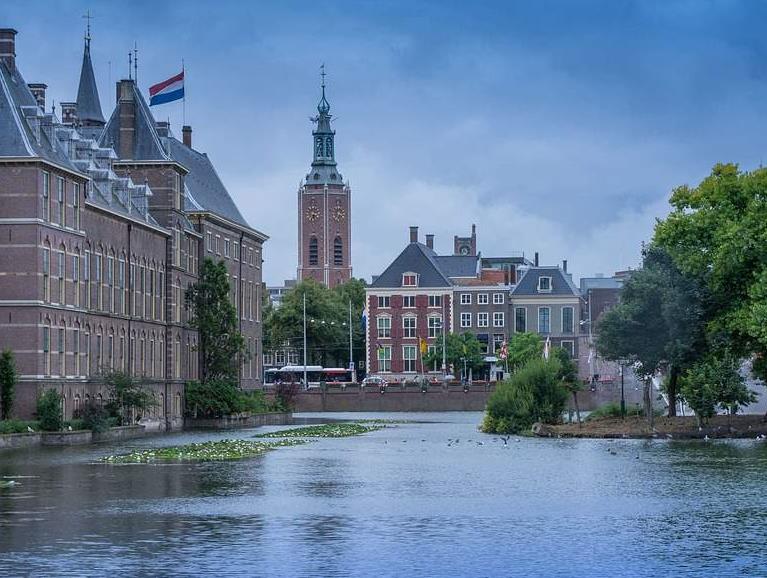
(555, 126)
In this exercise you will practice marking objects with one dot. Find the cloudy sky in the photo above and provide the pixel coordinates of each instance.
(555, 126)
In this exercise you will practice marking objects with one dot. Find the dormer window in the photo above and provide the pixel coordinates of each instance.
(544, 284)
(409, 280)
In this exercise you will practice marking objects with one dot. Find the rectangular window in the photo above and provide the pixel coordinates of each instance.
(435, 300)
(62, 277)
(567, 320)
(98, 352)
(544, 284)
(568, 346)
(121, 287)
(76, 204)
(62, 356)
(465, 298)
(161, 295)
(76, 279)
(87, 354)
(484, 342)
(110, 284)
(384, 327)
(435, 326)
(498, 339)
(46, 196)
(482, 299)
(98, 271)
(544, 320)
(435, 366)
(498, 320)
(482, 319)
(409, 280)
(76, 350)
(227, 245)
(46, 274)
(409, 326)
(87, 278)
(520, 319)
(497, 298)
(47, 350)
(384, 301)
(236, 251)
(409, 358)
(384, 359)
(208, 242)
(408, 301)
(217, 245)
(62, 199)
(243, 289)
(250, 300)
(465, 319)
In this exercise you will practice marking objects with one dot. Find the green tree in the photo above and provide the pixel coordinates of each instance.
(128, 398)
(8, 380)
(221, 345)
(522, 348)
(533, 393)
(568, 376)
(715, 382)
(458, 347)
(49, 411)
(659, 324)
(717, 234)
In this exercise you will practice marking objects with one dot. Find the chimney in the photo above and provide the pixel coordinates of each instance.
(163, 128)
(38, 91)
(8, 48)
(564, 265)
(187, 135)
(68, 112)
(536, 259)
(413, 234)
(126, 104)
(430, 241)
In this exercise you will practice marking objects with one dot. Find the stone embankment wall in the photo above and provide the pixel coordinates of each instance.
(243, 420)
(413, 399)
(69, 438)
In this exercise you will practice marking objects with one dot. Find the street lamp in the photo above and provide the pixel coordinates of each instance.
(623, 398)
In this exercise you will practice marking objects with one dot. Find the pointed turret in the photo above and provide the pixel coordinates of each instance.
(88, 103)
(324, 163)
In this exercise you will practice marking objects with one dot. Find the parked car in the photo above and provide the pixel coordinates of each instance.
(374, 381)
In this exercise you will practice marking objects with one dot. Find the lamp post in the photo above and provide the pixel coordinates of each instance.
(623, 398)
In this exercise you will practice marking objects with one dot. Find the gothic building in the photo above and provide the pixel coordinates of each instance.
(324, 210)
(103, 224)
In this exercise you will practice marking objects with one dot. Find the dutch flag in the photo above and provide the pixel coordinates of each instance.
(167, 90)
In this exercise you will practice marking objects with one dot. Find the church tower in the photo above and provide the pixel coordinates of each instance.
(324, 209)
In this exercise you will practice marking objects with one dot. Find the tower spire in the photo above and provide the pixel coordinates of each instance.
(88, 104)
(324, 106)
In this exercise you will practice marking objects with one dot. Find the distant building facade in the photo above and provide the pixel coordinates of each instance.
(490, 297)
(103, 225)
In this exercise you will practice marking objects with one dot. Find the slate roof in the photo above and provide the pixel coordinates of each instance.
(204, 189)
(146, 142)
(25, 130)
(561, 283)
(88, 104)
(600, 283)
(458, 265)
(416, 258)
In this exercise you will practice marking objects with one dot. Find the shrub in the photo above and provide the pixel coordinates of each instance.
(284, 396)
(7, 383)
(128, 398)
(253, 401)
(49, 411)
(534, 393)
(11, 426)
(95, 417)
(613, 409)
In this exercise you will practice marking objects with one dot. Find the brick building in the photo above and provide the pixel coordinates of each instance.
(324, 210)
(102, 228)
(491, 297)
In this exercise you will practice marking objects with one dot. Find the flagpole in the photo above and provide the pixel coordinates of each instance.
(183, 99)
(306, 383)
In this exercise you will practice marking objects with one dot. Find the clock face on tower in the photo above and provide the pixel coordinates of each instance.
(339, 213)
(464, 250)
(312, 213)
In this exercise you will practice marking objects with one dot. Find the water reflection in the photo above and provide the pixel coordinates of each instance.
(402, 501)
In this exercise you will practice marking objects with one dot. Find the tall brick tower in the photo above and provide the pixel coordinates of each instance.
(324, 209)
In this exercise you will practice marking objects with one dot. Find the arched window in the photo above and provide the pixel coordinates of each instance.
(47, 347)
(313, 251)
(46, 271)
(329, 146)
(338, 251)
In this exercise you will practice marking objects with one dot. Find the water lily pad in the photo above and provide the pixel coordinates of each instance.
(214, 451)
(330, 430)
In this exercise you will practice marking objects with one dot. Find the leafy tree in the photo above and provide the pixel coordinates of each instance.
(522, 348)
(8, 380)
(49, 411)
(221, 346)
(533, 393)
(128, 398)
(457, 347)
(659, 324)
(715, 382)
(717, 234)
(568, 376)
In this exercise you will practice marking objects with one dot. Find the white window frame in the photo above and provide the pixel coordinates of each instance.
(384, 302)
(434, 299)
(499, 319)
(498, 298)
(384, 359)
(544, 290)
(465, 319)
(483, 299)
(383, 330)
(483, 319)
(542, 308)
(409, 326)
(571, 330)
(408, 298)
(571, 349)
(412, 362)
(410, 274)
(465, 298)
(515, 319)
(435, 329)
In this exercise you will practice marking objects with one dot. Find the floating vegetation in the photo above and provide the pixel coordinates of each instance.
(8, 484)
(330, 430)
(385, 421)
(214, 451)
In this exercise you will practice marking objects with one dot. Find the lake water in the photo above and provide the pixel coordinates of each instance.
(396, 502)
